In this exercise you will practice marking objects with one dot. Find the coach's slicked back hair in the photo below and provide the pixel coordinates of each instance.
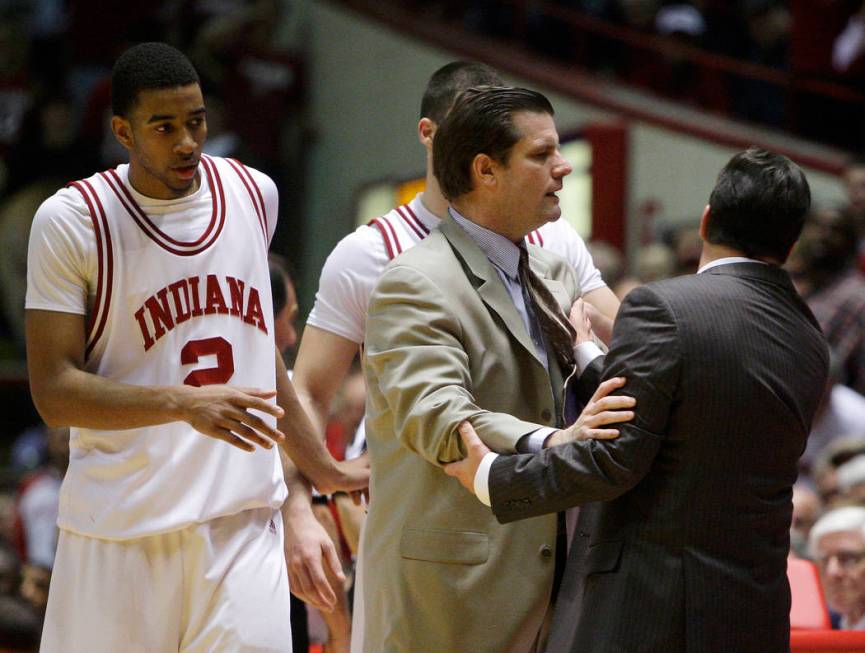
(148, 66)
(449, 81)
(759, 204)
(480, 122)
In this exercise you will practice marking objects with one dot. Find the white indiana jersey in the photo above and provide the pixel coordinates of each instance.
(169, 312)
(354, 266)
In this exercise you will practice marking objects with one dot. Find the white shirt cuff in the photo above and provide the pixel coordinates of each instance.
(482, 478)
(585, 353)
(535, 440)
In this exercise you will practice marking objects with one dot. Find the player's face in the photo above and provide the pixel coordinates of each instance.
(166, 131)
(534, 173)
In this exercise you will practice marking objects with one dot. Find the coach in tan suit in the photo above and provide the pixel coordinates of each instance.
(453, 334)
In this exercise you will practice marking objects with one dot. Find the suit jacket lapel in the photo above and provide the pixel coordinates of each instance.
(487, 282)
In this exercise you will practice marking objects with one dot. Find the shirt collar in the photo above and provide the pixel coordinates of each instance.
(501, 252)
(727, 260)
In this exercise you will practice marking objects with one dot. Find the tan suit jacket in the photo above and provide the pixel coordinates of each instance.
(444, 343)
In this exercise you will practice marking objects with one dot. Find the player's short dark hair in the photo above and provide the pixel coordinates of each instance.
(148, 66)
(280, 276)
(759, 204)
(480, 122)
(449, 81)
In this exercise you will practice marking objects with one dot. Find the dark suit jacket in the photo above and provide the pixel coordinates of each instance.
(689, 551)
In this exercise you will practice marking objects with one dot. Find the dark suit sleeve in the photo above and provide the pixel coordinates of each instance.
(645, 350)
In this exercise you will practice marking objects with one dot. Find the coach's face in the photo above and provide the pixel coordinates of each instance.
(164, 133)
(533, 175)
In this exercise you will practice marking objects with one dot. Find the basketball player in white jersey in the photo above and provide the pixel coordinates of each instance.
(150, 332)
(335, 327)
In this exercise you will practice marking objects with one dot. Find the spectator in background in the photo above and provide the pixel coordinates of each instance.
(851, 482)
(854, 181)
(825, 470)
(37, 502)
(609, 261)
(806, 509)
(823, 266)
(837, 544)
(841, 414)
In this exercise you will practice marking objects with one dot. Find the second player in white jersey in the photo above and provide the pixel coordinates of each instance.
(355, 264)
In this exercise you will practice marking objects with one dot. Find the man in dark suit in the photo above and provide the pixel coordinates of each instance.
(688, 552)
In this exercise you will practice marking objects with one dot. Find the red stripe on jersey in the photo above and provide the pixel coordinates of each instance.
(257, 192)
(234, 163)
(105, 265)
(136, 210)
(392, 233)
(530, 238)
(416, 219)
(154, 233)
(405, 218)
(540, 238)
(378, 225)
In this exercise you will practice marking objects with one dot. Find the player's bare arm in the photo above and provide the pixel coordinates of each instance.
(67, 395)
(606, 305)
(310, 554)
(307, 449)
(322, 362)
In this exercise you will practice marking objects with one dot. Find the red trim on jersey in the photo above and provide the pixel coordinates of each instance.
(105, 265)
(261, 223)
(376, 222)
(530, 238)
(417, 220)
(405, 218)
(392, 233)
(154, 233)
(535, 238)
(263, 207)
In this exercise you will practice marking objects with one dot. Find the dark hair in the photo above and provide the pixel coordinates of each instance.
(758, 205)
(480, 122)
(451, 80)
(147, 66)
(280, 276)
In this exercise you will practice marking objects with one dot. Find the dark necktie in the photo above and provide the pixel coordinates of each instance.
(554, 324)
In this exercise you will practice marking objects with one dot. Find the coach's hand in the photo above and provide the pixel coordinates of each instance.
(465, 470)
(601, 411)
(226, 413)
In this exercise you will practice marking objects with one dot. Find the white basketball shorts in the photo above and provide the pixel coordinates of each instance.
(216, 587)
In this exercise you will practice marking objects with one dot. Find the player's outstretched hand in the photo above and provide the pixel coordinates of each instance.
(602, 410)
(227, 413)
(313, 565)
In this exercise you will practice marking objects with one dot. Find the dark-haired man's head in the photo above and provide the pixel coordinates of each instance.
(285, 308)
(147, 67)
(758, 205)
(500, 145)
(449, 81)
(159, 118)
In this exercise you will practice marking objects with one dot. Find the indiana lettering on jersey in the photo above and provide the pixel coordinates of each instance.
(195, 296)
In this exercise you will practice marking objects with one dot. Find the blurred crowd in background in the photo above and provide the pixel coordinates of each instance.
(55, 59)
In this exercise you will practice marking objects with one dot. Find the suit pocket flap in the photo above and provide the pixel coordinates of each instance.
(453, 547)
(603, 556)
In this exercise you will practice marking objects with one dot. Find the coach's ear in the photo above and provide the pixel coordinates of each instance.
(704, 222)
(122, 132)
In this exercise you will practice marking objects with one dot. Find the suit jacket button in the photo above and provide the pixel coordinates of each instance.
(546, 551)
(546, 414)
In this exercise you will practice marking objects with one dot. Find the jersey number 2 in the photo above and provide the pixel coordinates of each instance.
(195, 349)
